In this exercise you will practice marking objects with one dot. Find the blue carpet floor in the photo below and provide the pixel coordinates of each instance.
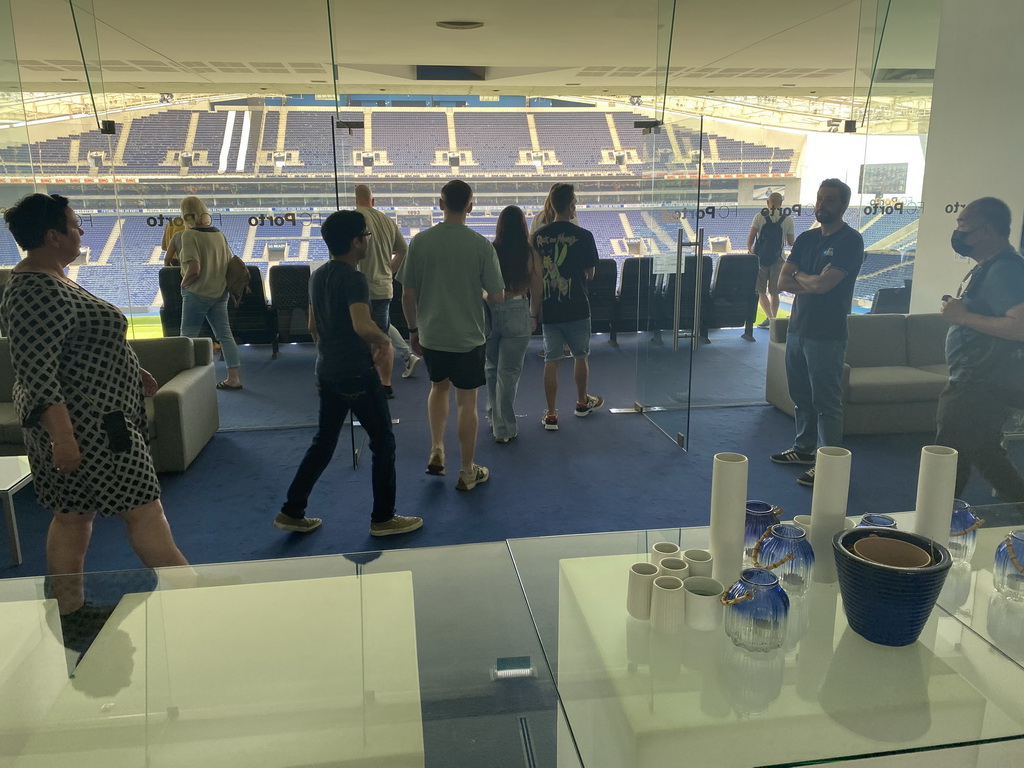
(605, 472)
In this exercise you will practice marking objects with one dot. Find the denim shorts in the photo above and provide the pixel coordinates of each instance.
(379, 313)
(575, 334)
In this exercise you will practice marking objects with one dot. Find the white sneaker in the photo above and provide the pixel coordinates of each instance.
(410, 365)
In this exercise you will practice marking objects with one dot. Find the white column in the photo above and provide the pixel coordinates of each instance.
(974, 135)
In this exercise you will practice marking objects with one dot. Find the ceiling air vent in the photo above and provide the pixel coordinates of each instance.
(904, 75)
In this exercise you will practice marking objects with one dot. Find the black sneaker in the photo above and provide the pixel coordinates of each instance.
(389, 393)
(793, 456)
(807, 478)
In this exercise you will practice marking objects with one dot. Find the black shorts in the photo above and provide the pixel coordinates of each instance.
(465, 369)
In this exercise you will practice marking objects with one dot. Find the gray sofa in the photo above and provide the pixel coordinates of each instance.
(895, 369)
(183, 414)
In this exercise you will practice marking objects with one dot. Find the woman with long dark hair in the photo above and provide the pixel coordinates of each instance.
(513, 321)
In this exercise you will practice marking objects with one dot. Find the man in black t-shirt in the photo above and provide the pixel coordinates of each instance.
(821, 271)
(569, 259)
(984, 349)
(341, 324)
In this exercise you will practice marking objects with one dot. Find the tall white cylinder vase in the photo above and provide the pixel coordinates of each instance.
(728, 513)
(828, 507)
(936, 482)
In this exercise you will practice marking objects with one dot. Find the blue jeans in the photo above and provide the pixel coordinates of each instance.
(195, 309)
(364, 396)
(400, 345)
(380, 313)
(506, 348)
(814, 370)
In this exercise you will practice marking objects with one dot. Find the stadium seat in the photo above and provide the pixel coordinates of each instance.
(666, 302)
(632, 311)
(254, 321)
(733, 300)
(289, 296)
(170, 312)
(891, 301)
(601, 291)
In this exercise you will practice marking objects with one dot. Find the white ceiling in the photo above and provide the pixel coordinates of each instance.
(531, 47)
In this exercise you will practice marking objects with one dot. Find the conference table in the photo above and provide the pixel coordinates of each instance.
(514, 653)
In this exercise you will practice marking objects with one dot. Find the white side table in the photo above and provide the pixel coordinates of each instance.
(15, 474)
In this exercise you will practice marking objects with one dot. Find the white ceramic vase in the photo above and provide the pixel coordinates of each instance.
(667, 605)
(638, 592)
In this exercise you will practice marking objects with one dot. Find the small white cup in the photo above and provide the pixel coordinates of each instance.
(699, 562)
(703, 603)
(667, 605)
(674, 566)
(804, 522)
(638, 593)
(663, 549)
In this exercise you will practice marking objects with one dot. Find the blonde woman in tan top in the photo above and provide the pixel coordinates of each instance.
(204, 255)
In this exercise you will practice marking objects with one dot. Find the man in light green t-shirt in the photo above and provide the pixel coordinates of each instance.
(446, 274)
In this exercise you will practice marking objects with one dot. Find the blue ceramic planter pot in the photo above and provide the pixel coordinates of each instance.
(886, 604)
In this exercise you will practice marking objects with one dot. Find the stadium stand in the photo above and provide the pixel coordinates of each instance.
(583, 143)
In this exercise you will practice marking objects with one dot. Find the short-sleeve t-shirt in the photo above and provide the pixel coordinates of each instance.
(993, 288)
(450, 266)
(341, 352)
(566, 253)
(386, 240)
(775, 215)
(824, 315)
(209, 247)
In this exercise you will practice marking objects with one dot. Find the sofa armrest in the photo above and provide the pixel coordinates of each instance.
(778, 329)
(776, 384)
(186, 416)
(203, 349)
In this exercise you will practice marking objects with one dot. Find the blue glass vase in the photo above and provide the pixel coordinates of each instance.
(755, 611)
(871, 520)
(963, 537)
(1008, 572)
(786, 552)
(760, 517)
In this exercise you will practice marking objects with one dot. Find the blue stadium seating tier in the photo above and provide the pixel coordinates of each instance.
(410, 137)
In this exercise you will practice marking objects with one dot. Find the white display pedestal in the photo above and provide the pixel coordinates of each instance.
(292, 673)
(638, 700)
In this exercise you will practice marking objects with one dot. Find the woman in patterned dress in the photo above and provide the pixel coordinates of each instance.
(75, 379)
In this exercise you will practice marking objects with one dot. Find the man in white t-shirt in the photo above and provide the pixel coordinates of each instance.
(769, 253)
(386, 252)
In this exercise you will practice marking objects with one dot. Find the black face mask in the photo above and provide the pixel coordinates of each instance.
(958, 241)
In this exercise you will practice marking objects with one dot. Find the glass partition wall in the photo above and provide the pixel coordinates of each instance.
(658, 180)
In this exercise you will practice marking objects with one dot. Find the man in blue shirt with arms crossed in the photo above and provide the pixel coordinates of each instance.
(821, 272)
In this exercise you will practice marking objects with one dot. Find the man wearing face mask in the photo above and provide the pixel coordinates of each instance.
(821, 271)
(984, 349)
